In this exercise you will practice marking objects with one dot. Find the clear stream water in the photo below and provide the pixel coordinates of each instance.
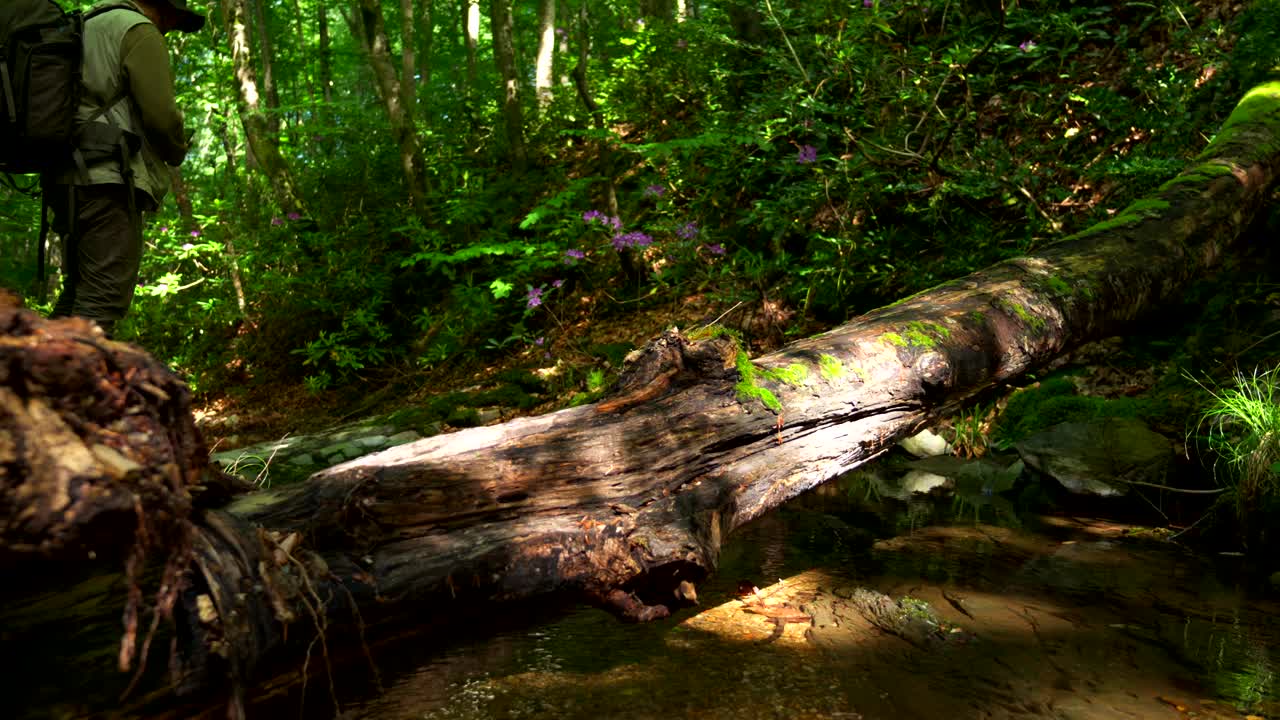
(1058, 617)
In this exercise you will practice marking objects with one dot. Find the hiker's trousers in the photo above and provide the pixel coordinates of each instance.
(101, 251)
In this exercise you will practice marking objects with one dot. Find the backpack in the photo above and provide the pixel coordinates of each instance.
(40, 53)
(41, 49)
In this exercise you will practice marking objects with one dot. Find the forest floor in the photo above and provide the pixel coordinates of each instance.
(597, 337)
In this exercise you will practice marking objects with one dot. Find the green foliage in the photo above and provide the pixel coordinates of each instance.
(1241, 425)
(837, 158)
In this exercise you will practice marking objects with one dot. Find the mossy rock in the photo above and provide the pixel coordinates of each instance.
(1055, 401)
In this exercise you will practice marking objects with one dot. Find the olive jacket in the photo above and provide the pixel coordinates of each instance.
(125, 57)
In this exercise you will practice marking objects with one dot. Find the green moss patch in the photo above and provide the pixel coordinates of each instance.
(830, 367)
(1054, 401)
(1035, 322)
(749, 388)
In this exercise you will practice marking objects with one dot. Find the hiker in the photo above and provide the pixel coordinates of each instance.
(130, 130)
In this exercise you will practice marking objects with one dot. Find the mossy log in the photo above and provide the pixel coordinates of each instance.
(623, 501)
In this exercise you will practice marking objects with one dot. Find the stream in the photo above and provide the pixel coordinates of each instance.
(1064, 617)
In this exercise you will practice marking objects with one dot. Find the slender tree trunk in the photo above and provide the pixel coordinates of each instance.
(408, 66)
(369, 26)
(470, 35)
(325, 51)
(182, 197)
(502, 25)
(267, 58)
(544, 69)
(262, 141)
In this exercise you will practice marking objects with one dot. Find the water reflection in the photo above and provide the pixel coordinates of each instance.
(1058, 618)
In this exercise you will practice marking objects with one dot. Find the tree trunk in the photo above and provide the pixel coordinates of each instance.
(618, 502)
(544, 69)
(470, 35)
(502, 24)
(182, 198)
(325, 51)
(268, 69)
(369, 27)
(262, 142)
(408, 66)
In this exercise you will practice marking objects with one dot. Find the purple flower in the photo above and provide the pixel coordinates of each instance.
(687, 231)
(631, 239)
(868, 3)
(715, 249)
(195, 233)
(807, 154)
(164, 228)
(277, 221)
(294, 216)
(535, 296)
(575, 253)
(557, 283)
(654, 191)
(1027, 45)
(539, 341)
(187, 246)
(606, 220)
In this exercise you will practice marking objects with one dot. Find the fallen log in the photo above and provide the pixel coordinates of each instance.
(622, 502)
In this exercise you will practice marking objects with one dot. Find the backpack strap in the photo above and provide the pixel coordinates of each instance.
(86, 16)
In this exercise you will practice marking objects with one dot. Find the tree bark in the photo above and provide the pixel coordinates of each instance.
(470, 36)
(325, 51)
(617, 502)
(504, 55)
(408, 66)
(257, 128)
(368, 25)
(545, 66)
(267, 58)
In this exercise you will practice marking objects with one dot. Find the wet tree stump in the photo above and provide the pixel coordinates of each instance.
(619, 503)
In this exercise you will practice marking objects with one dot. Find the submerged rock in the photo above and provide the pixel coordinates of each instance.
(1100, 457)
(925, 443)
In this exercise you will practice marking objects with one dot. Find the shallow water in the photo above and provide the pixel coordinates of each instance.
(1060, 618)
